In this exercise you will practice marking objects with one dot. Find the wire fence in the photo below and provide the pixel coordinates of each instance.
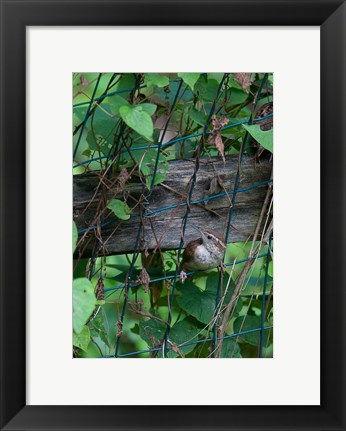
(120, 146)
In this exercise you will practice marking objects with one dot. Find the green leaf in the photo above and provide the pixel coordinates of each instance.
(237, 96)
(139, 120)
(74, 236)
(183, 332)
(202, 304)
(116, 102)
(163, 97)
(233, 83)
(95, 142)
(245, 323)
(102, 133)
(148, 166)
(255, 280)
(265, 138)
(82, 339)
(197, 116)
(149, 108)
(207, 91)
(186, 149)
(217, 76)
(95, 165)
(156, 79)
(190, 79)
(86, 153)
(98, 328)
(135, 329)
(268, 351)
(160, 174)
(153, 333)
(230, 349)
(120, 209)
(270, 268)
(263, 101)
(196, 303)
(78, 117)
(84, 301)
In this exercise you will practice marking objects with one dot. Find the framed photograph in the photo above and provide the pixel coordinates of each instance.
(143, 133)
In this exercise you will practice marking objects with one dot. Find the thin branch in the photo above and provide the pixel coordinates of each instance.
(247, 266)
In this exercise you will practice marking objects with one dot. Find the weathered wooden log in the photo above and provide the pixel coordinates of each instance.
(162, 215)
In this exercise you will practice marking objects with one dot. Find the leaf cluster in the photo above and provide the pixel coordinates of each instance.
(137, 123)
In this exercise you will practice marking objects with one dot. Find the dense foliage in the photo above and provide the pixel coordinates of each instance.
(132, 124)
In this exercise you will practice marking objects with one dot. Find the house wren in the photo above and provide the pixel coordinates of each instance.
(203, 253)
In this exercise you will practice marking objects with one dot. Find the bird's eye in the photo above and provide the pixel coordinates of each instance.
(209, 236)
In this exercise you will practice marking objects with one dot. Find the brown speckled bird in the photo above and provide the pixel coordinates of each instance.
(203, 253)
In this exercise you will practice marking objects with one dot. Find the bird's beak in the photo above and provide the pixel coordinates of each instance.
(197, 228)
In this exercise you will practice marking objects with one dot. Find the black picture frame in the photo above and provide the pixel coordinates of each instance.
(15, 16)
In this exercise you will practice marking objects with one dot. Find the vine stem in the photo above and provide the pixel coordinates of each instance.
(247, 266)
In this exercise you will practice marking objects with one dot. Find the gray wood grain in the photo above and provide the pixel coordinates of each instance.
(120, 236)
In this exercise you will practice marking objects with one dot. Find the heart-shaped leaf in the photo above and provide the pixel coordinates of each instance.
(82, 339)
(153, 332)
(230, 349)
(148, 163)
(138, 119)
(116, 102)
(84, 301)
(246, 323)
(190, 79)
(149, 108)
(202, 304)
(183, 332)
(120, 209)
(156, 79)
(265, 138)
